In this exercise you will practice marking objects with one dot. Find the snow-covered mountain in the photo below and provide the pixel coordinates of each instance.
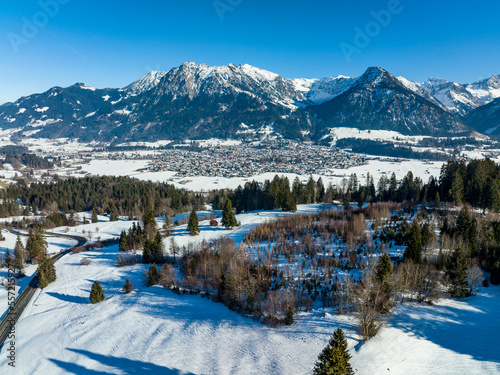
(197, 100)
(486, 90)
(486, 119)
(380, 101)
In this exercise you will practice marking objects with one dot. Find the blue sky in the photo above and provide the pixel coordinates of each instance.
(112, 43)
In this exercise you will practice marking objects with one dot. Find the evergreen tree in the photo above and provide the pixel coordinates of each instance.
(310, 191)
(393, 187)
(46, 271)
(94, 217)
(20, 256)
(96, 293)
(457, 272)
(152, 275)
(149, 223)
(228, 218)
(289, 315)
(320, 190)
(383, 274)
(123, 243)
(413, 250)
(457, 188)
(334, 359)
(193, 227)
(128, 287)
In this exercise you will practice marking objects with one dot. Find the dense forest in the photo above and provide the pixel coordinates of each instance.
(112, 195)
(476, 183)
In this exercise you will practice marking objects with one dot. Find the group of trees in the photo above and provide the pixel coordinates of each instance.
(113, 195)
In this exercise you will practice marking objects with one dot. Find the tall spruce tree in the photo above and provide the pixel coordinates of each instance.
(94, 216)
(193, 226)
(413, 250)
(46, 271)
(228, 218)
(96, 293)
(457, 272)
(334, 359)
(19, 256)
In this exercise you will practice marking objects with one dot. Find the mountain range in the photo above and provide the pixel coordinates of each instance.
(197, 101)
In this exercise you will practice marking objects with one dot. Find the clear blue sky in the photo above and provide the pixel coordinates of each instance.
(112, 43)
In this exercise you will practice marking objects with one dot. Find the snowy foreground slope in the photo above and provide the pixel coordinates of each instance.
(154, 330)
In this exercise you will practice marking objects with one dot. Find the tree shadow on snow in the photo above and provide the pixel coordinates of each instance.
(125, 365)
(469, 328)
(69, 298)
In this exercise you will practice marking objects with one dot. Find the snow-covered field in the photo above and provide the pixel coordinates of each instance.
(154, 330)
(375, 167)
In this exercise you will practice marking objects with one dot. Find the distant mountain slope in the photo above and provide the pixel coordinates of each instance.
(486, 119)
(379, 101)
(200, 101)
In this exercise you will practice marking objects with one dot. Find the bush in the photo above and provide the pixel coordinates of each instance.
(85, 261)
(96, 293)
(127, 260)
(166, 275)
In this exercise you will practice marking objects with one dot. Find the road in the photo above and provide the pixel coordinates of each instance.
(17, 308)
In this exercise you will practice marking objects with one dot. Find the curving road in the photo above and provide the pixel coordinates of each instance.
(17, 308)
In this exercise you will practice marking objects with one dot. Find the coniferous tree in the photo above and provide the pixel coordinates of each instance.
(46, 271)
(413, 250)
(96, 293)
(123, 243)
(320, 190)
(228, 218)
(457, 272)
(152, 275)
(193, 226)
(383, 274)
(128, 287)
(149, 223)
(334, 359)
(94, 217)
(19, 256)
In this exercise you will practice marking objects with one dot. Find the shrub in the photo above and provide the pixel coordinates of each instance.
(85, 261)
(127, 260)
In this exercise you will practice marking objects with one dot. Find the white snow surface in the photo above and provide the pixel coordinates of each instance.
(153, 330)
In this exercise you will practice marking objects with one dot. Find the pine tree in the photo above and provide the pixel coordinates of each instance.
(20, 256)
(320, 190)
(46, 271)
(123, 244)
(228, 218)
(413, 250)
(128, 287)
(149, 223)
(152, 275)
(457, 188)
(457, 271)
(193, 227)
(334, 359)
(289, 315)
(94, 217)
(96, 293)
(383, 274)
